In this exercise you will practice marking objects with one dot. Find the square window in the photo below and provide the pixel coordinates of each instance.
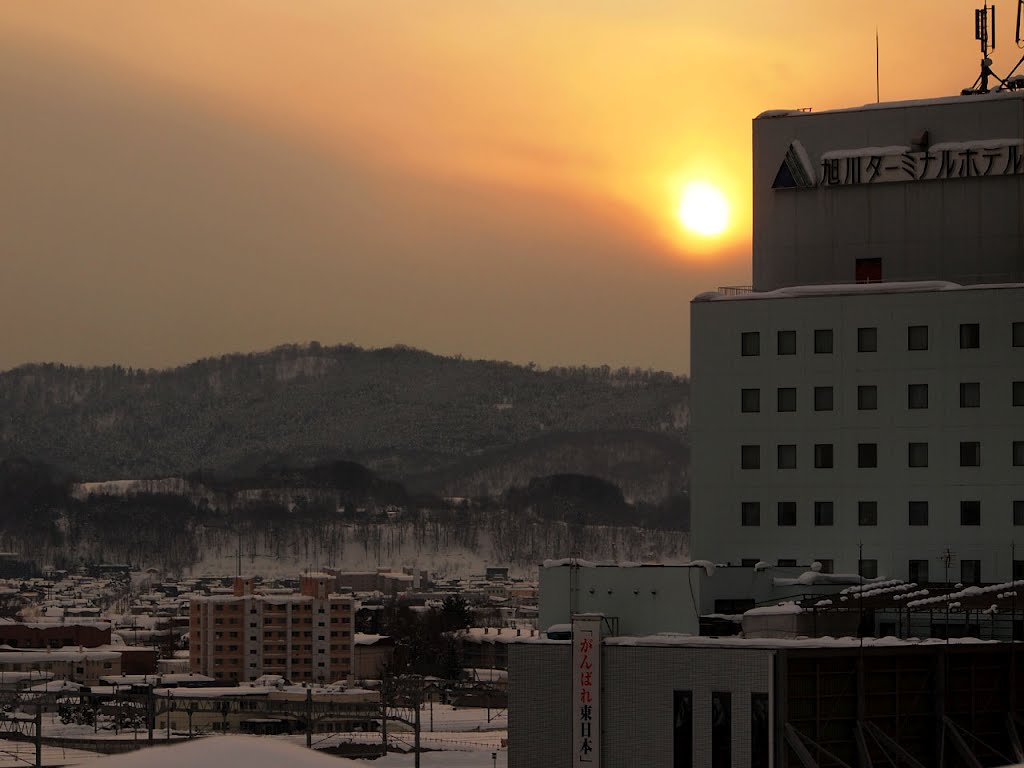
(785, 562)
(787, 513)
(867, 513)
(1017, 332)
(750, 344)
(867, 397)
(823, 513)
(1018, 511)
(750, 456)
(786, 342)
(1018, 393)
(917, 571)
(823, 341)
(917, 454)
(823, 398)
(750, 513)
(970, 394)
(917, 396)
(917, 513)
(1018, 453)
(868, 569)
(748, 562)
(867, 455)
(970, 454)
(970, 336)
(823, 458)
(867, 339)
(786, 397)
(750, 400)
(970, 513)
(868, 270)
(787, 457)
(917, 337)
(827, 565)
(970, 571)
(1018, 572)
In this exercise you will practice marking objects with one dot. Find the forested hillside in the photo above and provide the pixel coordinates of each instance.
(436, 424)
(339, 515)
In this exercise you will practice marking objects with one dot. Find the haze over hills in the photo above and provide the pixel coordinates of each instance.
(438, 425)
(308, 455)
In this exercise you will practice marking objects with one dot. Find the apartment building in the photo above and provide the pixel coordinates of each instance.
(862, 403)
(305, 636)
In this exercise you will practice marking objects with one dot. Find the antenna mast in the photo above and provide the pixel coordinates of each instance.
(985, 34)
(878, 96)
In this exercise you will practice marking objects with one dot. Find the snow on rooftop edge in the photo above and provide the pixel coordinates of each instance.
(670, 639)
(849, 289)
(908, 103)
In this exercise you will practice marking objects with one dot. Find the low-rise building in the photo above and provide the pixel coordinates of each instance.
(675, 700)
(85, 667)
(54, 634)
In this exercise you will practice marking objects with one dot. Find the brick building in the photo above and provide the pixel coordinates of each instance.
(86, 634)
(304, 637)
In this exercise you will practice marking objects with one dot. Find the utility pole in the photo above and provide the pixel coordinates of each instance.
(39, 733)
(384, 714)
(416, 721)
(309, 718)
(860, 594)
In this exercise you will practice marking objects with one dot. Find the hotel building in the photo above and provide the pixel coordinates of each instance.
(862, 403)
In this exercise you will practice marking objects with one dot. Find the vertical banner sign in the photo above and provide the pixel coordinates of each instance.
(586, 700)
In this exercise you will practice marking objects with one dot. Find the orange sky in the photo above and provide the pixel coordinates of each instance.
(490, 178)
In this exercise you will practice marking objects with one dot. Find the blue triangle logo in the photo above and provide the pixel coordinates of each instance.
(796, 171)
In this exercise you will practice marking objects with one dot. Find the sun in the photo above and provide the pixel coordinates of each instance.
(703, 209)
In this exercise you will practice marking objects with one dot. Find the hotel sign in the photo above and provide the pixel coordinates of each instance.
(586, 700)
(879, 165)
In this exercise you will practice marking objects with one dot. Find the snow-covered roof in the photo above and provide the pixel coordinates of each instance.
(56, 623)
(851, 289)
(784, 608)
(669, 639)
(616, 564)
(56, 686)
(361, 638)
(212, 693)
(998, 591)
(35, 657)
(906, 104)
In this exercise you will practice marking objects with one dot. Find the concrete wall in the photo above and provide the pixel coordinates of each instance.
(645, 599)
(637, 689)
(719, 429)
(969, 230)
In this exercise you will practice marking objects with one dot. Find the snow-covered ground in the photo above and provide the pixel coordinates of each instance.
(461, 738)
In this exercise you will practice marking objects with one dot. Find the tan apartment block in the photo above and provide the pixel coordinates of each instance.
(305, 636)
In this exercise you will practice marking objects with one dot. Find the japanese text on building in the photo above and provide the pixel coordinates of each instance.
(953, 160)
(586, 671)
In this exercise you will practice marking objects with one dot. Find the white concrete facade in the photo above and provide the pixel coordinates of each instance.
(986, 428)
(643, 599)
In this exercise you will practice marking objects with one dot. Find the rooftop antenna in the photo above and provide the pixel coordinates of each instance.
(878, 97)
(984, 23)
(1015, 83)
(985, 34)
